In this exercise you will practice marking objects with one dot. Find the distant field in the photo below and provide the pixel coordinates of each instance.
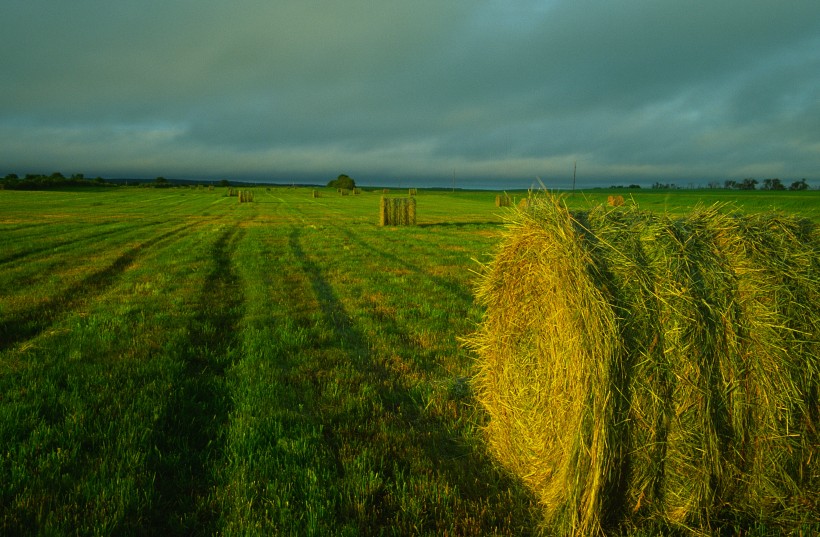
(174, 362)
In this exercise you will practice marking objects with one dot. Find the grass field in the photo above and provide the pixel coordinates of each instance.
(174, 362)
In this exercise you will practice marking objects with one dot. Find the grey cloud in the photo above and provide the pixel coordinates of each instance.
(708, 87)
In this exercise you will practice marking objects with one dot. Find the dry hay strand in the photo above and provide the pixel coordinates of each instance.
(639, 369)
(615, 201)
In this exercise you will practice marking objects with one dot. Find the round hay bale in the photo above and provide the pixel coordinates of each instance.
(639, 369)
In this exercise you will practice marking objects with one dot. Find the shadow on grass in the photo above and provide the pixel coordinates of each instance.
(29, 323)
(189, 436)
(466, 469)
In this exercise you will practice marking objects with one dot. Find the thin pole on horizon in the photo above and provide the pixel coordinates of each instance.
(574, 168)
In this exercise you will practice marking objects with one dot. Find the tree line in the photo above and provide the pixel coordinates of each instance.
(746, 184)
(33, 181)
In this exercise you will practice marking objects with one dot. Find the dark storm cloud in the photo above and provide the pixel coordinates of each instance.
(494, 89)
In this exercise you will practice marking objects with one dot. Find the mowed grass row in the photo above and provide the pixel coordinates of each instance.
(175, 362)
(284, 366)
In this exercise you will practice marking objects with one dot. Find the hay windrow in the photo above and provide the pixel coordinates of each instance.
(641, 368)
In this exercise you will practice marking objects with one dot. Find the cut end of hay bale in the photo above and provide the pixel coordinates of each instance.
(503, 200)
(638, 368)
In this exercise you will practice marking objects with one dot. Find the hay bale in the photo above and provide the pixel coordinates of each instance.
(503, 200)
(410, 211)
(315, 193)
(384, 217)
(615, 201)
(397, 211)
(639, 369)
(245, 196)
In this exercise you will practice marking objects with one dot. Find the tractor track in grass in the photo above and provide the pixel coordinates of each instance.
(189, 437)
(429, 435)
(74, 242)
(29, 323)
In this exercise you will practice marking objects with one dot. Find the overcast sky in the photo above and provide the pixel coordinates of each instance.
(400, 90)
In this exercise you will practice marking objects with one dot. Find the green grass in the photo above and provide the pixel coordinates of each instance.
(174, 362)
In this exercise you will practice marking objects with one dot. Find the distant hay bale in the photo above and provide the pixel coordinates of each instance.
(615, 201)
(315, 193)
(639, 369)
(503, 200)
(357, 191)
(397, 211)
(245, 196)
(412, 192)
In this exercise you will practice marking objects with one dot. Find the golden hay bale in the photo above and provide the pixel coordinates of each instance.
(502, 200)
(615, 201)
(411, 211)
(397, 211)
(639, 369)
(384, 216)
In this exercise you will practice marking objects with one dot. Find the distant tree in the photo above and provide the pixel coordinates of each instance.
(799, 185)
(161, 182)
(772, 184)
(343, 181)
(224, 182)
(729, 184)
(748, 184)
(634, 186)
